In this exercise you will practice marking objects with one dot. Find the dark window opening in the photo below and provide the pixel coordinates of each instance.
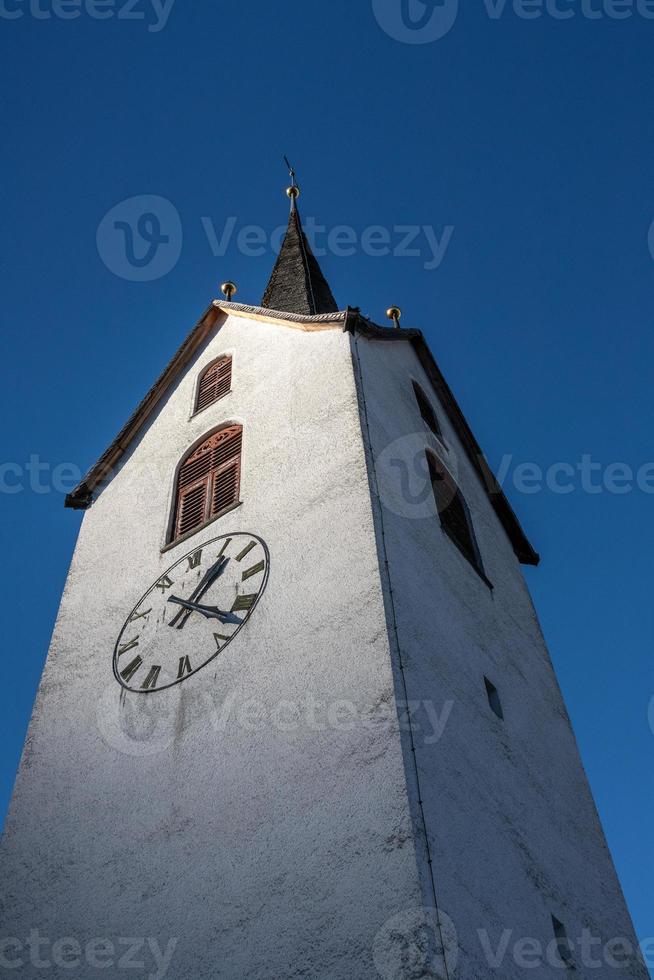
(426, 410)
(563, 945)
(494, 699)
(453, 513)
(209, 481)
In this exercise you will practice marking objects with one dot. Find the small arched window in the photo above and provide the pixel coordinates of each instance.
(209, 480)
(215, 382)
(427, 411)
(454, 514)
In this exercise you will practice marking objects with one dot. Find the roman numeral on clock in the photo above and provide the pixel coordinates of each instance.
(246, 550)
(131, 669)
(152, 678)
(128, 646)
(226, 544)
(244, 602)
(220, 639)
(164, 583)
(138, 615)
(253, 571)
(195, 559)
(184, 668)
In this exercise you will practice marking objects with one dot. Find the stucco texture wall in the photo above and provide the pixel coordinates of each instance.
(257, 813)
(512, 827)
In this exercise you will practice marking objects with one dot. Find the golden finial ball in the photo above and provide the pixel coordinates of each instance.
(394, 313)
(293, 192)
(228, 289)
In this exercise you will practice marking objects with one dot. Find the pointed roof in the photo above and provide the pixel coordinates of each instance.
(297, 284)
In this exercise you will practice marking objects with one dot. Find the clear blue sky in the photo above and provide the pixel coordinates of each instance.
(533, 138)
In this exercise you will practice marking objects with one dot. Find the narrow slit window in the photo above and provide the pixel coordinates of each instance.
(494, 698)
(427, 411)
(215, 382)
(209, 481)
(563, 946)
(453, 513)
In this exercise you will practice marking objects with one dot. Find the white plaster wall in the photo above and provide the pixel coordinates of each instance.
(271, 849)
(512, 826)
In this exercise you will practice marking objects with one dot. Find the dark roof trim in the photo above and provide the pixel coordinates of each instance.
(355, 322)
(82, 496)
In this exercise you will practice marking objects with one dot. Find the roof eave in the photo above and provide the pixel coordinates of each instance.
(81, 497)
(519, 541)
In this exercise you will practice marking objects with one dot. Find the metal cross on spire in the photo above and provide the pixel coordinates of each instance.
(297, 284)
(291, 171)
(293, 191)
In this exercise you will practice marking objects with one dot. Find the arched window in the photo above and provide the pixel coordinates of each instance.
(215, 382)
(209, 480)
(454, 514)
(426, 410)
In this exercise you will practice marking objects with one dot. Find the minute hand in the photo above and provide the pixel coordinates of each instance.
(203, 586)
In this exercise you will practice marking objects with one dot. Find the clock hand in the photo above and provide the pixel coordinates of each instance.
(209, 578)
(203, 586)
(211, 612)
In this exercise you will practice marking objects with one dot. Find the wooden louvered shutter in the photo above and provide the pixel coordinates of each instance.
(226, 467)
(192, 507)
(209, 480)
(214, 383)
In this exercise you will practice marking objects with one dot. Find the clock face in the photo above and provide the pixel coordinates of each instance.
(191, 613)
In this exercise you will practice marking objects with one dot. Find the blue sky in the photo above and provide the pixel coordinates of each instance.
(523, 147)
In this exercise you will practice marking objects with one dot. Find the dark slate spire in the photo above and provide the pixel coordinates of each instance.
(297, 284)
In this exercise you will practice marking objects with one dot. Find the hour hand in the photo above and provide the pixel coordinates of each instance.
(210, 612)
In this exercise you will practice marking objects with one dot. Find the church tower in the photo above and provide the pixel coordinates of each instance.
(298, 719)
